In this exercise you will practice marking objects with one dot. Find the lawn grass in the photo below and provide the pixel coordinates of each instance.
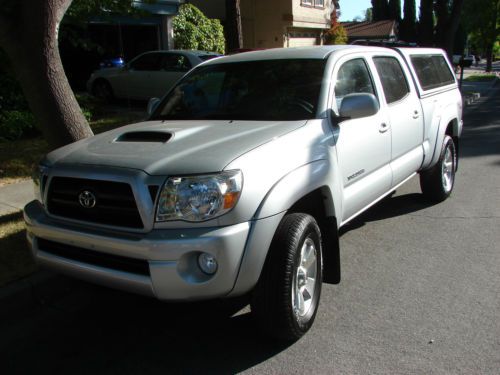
(480, 78)
(16, 261)
(17, 158)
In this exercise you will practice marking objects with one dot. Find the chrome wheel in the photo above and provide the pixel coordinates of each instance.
(304, 279)
(448, 170)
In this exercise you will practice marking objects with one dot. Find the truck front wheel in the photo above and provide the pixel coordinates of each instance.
(286, 298)
(437, 182)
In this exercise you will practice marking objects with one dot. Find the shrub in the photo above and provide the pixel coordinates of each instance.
(15, 124)
(193, 30)
(336, 35)
(90, 105)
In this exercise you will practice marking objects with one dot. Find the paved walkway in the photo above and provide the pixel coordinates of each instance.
(13, 197)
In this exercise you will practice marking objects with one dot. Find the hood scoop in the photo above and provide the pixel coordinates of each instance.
(144, 137)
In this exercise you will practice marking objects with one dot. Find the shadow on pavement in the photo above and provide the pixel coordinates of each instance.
(95, 330)
(388, 208)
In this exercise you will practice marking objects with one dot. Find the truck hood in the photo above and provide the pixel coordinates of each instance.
(173, 147)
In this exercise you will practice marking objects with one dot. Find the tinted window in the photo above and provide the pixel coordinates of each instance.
(148, 62)
(176, 63)
(255, 90)
(392, 77)
(208, 57)
(432, 71)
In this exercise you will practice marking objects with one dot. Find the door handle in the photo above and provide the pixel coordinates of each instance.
(383, 127)
(416, 115)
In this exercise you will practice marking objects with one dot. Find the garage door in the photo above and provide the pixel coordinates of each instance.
(301, 42)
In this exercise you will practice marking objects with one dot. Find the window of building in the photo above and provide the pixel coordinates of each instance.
(432, 71)
(392, 77)
(313, 3)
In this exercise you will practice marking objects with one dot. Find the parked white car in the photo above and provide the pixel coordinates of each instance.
(149, 75)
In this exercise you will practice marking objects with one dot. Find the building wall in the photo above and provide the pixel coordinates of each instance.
(263, 23)
(311, 17)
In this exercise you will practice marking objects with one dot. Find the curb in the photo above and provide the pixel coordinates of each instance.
(472, 97)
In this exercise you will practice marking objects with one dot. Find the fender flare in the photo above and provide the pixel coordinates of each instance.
(443, 125)
(283, 195)
(297, 184)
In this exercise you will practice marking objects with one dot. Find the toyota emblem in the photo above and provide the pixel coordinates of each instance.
(87, 199)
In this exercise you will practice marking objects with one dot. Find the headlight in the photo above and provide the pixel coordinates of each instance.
(199, 198)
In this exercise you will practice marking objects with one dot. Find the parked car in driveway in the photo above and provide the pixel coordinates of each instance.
(148, 75)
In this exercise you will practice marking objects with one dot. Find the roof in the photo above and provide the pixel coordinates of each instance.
(379, 29)
(313, 52)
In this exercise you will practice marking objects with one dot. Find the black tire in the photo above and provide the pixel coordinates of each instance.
(102, 89)
(275, 303)
(437, 183)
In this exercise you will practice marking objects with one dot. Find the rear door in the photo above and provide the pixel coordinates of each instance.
(363, 145)
(404, 116)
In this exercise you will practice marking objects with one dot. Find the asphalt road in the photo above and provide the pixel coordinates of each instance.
(420, 295)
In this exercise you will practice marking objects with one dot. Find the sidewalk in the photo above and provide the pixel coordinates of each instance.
(14, 197)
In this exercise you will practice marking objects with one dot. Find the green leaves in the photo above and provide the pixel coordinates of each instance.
(193, 30)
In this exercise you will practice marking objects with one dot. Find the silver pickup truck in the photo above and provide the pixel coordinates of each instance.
(242, 175)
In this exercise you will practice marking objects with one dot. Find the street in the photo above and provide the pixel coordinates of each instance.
(420, 294)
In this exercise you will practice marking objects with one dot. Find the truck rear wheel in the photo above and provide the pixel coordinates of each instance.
(286, 298)
(437, 183)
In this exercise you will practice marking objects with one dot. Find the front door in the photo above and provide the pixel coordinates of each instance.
(363, 145)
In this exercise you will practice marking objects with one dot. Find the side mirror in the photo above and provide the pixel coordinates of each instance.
(358, 105)
(152, 105)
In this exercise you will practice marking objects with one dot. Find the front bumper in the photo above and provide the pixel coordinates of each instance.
(169, 255)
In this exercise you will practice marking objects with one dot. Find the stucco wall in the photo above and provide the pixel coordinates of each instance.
(310, 17)
(263, 22)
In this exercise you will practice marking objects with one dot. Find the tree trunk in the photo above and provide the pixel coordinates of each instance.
(425, 24)
(447, 25)
(489, 58)
(28, 34)
(233, 25)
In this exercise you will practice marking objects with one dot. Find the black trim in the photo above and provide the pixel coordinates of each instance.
(115, 262)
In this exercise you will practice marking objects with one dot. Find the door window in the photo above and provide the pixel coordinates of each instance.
(147, 62)
(176, 63)
(392, 77)
(353, 78)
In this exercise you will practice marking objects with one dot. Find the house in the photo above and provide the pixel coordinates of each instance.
(386, 30)
(152, 30)
(277, 23)
(113, 35)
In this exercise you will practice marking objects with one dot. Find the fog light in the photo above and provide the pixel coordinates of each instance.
(207, 263)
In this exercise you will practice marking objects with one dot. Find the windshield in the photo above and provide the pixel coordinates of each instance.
(283, 90)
